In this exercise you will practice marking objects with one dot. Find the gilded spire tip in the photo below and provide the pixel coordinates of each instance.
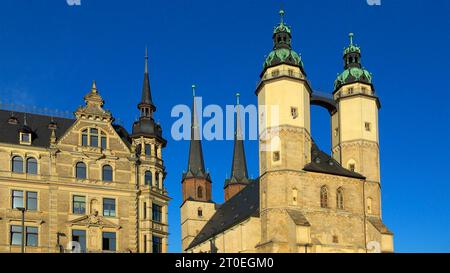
(350, 35)
(94, 87)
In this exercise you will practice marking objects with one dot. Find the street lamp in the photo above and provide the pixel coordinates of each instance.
(23, 228)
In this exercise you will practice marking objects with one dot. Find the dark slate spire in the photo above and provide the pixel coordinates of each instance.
(146, 125)
(196, 163)
(239, 174)
(146, 105)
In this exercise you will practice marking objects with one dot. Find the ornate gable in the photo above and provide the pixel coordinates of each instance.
(94, 220)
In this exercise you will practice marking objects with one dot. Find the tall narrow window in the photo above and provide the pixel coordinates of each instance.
(109, 241)
(107, 173)
(367, 125)
(144, 210)
(156, 213)
(324, 197)
(157, 244)
(148, 149)
(17, 164)
(157, 179)
(84, 138)
(200, 212)
(17, 199)
(340, 198)
(109, 207)
(294, 112)
(80, 237)
(32, 236)
(148, 178)
(32, 166)
(200, 192)
(79, 205)
(80, 170)
(94, 137)
(32, 201)
(103, 140)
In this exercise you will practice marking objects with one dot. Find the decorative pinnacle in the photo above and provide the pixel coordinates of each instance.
(94, 87)
(237, 98)
(350, 35)
(282, 16)
(193, 90)
(146, 60)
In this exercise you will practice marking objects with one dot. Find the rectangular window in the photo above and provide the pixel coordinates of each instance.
(275, 73)
(367, 125)
(109, 241)
(25, 138)
(103, 143)
(145, 210)
(109, 207)
(17, 199)
(32, 236)
(350, 90)
(148, 149)
(80, 237)
(157, 244)
(16, 236)
(94, 137)
(32, 202)
(84, 140)
(79, 205)
(157, 213)
(276, 156)
(294, 112)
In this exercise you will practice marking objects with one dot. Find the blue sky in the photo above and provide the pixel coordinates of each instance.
(50, 53)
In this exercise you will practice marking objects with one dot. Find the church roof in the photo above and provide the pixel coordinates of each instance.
(239, 208)
(39, 126)
(323, 163)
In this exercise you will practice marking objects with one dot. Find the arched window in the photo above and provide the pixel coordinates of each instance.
(17, 164)
(32, 165)
(340, 198)
(200, 212)
(200, 192)
(107, 173)
(148, 178)
(80, 170)
(324, 197)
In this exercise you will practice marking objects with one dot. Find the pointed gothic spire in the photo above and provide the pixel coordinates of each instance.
(239, 172)
(196, 163)
(146, 105)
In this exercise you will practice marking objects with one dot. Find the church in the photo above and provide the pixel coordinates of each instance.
(304, 200)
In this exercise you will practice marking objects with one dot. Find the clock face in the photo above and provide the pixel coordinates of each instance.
(374, 247)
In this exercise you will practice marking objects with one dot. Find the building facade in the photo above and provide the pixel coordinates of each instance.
(304, 201)
(84, 180)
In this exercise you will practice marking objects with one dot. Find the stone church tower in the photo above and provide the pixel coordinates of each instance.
(304, 201)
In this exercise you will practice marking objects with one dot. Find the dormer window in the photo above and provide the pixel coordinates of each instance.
(25, 138)
(93, 137)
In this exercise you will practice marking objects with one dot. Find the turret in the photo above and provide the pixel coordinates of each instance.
(239, 174)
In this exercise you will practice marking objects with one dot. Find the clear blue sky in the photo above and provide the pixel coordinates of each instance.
(50, 53)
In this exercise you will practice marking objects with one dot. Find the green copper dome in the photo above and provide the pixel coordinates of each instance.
(282, 28)
(283, 55)
(353, 74)
(353, 70)
(282, 52)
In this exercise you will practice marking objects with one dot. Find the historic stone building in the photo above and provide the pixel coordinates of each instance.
(85, 180)
(304, 200)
